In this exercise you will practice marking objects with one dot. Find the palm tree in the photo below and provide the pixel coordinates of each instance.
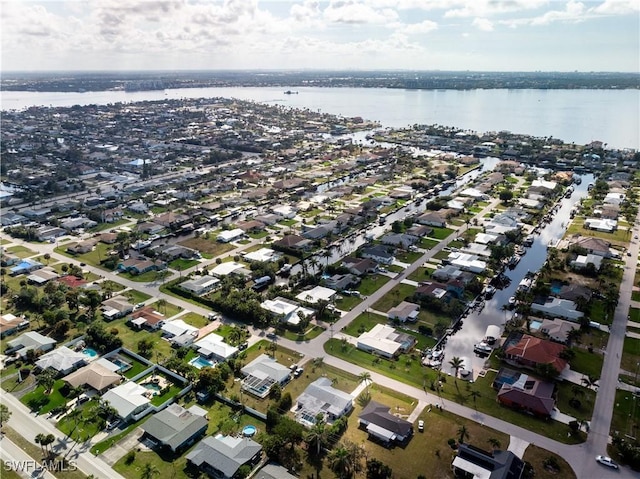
(340, 461)
(76, 416)
(149, 471)
(495, 444)
(5, 414)
(474, 395)
(365, 377)
(40, 441)
(162, 305)
(46, 380)
(590, 382)
(456, 364)
(318, 434)
(47, 441)
(463, 433)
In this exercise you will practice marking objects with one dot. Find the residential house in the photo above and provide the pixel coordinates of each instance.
(262, 373)
(213, 347)
(399, 239)
(228, 236)
(531, 351)
(10, 324)
(341, 282)
(265, 255)
(274, 471)
(376, 419)
(48, 233)
(171, 219)
(557, 329)
(592, 245)
(378, 253)
(558, 308)
(472, 462)
(432, 289)
(529, 395)
(25, 266)
(99, 375)
(582, 261)
(139, 266)
(73, 281)
(116, 307)
(359, 266)
(81, 247)
(385, 341)
(294, 242)
(287, 310)
(467, 262)
(404, 312)
(147, 318)
(221, 457)
(575, 292)
(175, 427)
(601, 224)
(61, 361)
(200, 285)
(177, 329)
(317, 294)
(130, 400)
(321, 398)
(251, 226)
(431, 219)
(42, 276)
(419, 231)
(31, 340)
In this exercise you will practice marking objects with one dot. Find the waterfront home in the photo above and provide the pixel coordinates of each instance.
(557, 329)
(557, 307)
(379, 253)
(316, 294)
(404, 312)
(431, 219)
(601, 224)
(531, 351)
(294, 242)
(593, 245)
(529, 395)
(228, 236)
(341, 282)
(583, 261)
(359, 266)
(385, 341)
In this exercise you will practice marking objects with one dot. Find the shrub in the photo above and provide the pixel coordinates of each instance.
(130, 457)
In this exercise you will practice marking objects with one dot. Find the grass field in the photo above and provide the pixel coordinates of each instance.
(394, 297)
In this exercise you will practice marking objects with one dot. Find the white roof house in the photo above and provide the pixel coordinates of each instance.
(477, 249)
(548, 185)
(557, 307)
(178, 327)
(486, 238)
(263, 254)
(62, 360)
(129, 399)
(230, 235)
(320, 397)
(214, 346)
(319, 293)
(467, 262)
(224, 269)
(262, 373)
(601, 224)
(201, 284)
(614, 198)
(289, 310)
(31, 340)
(380, 339)
(473, 193)
(583, 260)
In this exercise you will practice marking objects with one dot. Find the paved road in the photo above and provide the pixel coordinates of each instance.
(29, 425)
(15, 459)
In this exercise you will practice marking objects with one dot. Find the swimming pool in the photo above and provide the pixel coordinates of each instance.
(152, 387)
(249, 431)
(92, 353)
(556, 286)
(122, 365)
(199, 362)
(535, 325)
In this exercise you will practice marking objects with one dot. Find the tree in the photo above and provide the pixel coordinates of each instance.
(506, 196)
(210, 380)
(39, 439)
(475, 395)
(456, 364)
(47, 440)
(5, 414)
(318, 434)
(162, 305)
(495, 444)
(378, 470)
(463, 434)
(149, 471)
(590, 382)
(46, 380)
(365, 377)
(145, 347)
(341, 462)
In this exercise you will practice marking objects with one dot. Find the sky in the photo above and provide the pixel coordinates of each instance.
(478, 35)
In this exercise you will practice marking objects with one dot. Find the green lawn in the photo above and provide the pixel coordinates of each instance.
(372, 283)
(421, 274)
(130, 337)
(635, 296)
(364, 323)
(310, 333)
(87, 425)
(394, 297)
(38, 401)
(587, 363)
(441, 233)
(147, 277)
(181, 264)
(626, 414)
(21, 251)
(630, 354)
(166, 308)
(408, 257)
(566, 391)
(426, 243)
(194, 319)
(99, 253)
(536, 456)
(620, 237)
(347, 303)
(134, 296)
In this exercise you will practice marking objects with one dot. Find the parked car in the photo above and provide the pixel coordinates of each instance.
(298, 372)
(606, 461)
(421, 425)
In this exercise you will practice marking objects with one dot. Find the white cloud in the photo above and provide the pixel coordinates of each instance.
(483, 24)
(617, 7)
(355, 12)
(574, 12)
(487, 8)
(425, 26)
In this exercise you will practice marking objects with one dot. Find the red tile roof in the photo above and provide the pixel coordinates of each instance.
(538, 351)
(72, 281)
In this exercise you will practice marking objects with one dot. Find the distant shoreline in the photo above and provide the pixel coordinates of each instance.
(417, 80)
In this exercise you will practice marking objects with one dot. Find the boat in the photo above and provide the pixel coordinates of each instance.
(489, 291)
(289, 92)
(482, 348)
(492, 334)
(577, 180)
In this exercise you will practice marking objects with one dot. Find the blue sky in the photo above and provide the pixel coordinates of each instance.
(489, 35)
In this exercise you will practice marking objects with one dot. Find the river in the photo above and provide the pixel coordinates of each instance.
(475, 324)
(578, 116)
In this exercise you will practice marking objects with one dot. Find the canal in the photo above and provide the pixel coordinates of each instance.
(461, 343)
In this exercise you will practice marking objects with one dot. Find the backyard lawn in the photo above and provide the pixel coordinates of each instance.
(394, 297)
(426, 243)
(130, 337)
(441, 233)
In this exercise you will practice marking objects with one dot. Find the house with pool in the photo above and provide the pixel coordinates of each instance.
(130, 400)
